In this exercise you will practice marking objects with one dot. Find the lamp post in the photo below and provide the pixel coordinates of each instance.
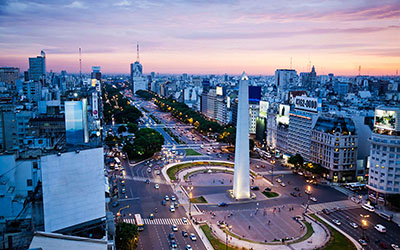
(119, 211)
(190, 201)
(364, 223)
(308, 199)
(226, 236)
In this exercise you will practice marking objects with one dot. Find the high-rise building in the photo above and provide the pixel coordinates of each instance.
(96, 74)
(284, 78)
(37, 68)
(384, 163)
(9, 75)
(301, 121)
(309, 79)
(334, 144)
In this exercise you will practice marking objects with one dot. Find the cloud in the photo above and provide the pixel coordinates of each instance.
(76, 5)
(123, 3)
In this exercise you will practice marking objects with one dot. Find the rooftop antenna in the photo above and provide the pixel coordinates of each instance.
(359, 70)
(137, 52)
(80, 64)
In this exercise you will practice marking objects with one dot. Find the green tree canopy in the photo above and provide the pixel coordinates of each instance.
(126, 236)
(121, 129)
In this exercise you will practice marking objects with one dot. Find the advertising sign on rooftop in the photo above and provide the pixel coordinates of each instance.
(263, 109)
(386, 119)
(307, 103)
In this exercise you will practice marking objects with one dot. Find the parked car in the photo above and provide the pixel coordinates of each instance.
(267, 189)
(156, 186)
(255, 188)
(282, 184)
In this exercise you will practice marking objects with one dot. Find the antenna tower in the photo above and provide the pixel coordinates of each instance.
(359, 70)
(137, 52)
(80, 64)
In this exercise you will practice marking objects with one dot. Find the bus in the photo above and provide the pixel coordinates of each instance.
(386, 216)
(368, 207)
(139, 222)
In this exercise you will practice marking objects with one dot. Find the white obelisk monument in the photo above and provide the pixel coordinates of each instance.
(241, 180)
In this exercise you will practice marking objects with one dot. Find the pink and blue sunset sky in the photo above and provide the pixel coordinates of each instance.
(204, 36)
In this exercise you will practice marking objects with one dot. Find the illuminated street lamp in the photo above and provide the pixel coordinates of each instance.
(364, 223)
(190, 200)
(308, 200)
(119, 211)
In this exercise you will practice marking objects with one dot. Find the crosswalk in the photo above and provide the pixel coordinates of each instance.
(344, 204)
(158, 221)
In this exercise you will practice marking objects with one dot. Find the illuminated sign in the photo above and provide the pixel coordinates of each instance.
(95, 106)
(263, 109)
(307, 103)
(386, 119)
(283, 115)
(94, 82)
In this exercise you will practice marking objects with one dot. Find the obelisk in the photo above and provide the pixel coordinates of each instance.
(241, 178)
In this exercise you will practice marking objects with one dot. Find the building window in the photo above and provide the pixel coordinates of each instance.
(29, 182)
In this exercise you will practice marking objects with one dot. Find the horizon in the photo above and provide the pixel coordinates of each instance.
(204, 37)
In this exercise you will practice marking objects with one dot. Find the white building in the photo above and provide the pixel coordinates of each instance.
(139, 83)
(384, 164)
(254, 109)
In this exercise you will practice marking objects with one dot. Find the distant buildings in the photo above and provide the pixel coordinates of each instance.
(37, 68)
(284, 78)
(9, 75)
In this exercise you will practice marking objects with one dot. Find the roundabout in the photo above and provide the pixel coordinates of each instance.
(259, 223)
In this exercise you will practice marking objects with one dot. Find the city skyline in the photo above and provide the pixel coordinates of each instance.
(207, 37)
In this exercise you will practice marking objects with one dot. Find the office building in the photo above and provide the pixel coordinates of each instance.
(96, 74)
(284, 78)
(309, 79)
(9, 75)
(301, 121)
(384, 163)
(37, 68)
(334, 146)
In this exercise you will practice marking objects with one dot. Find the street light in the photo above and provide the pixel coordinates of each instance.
(308, 200)
(364, 223)
(190, 201)
(226, 234)
(119, 211)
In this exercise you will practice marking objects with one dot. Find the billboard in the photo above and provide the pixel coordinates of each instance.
(254, 93)
(95, 106)
(386, 119)
(283, 115)
(76, 121)
(307, 103)
(219, 90)
(263, 109)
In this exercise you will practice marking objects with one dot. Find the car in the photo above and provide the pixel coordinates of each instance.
(171, 236)
(297, 189)
(354, 225)
(174, 228)
(184, 220)
(185, 234)
(173, 244)
(147, 181)
(278, 180)
(172, 208)
(166, 198)
(151, 216)
(115, 204)
(293, 194)
(222, 204)
(149, 170)
(313, 199)
(282, 184)
(176, 204)
(255, 188)
(337, 222)
(193, 237)
(158, 171)
(380, 228)
(267, 189)
(173, 198)
(188, 247)
(123, 191)
(300, 173)
(326, 211)
(163, 202)
(395, 247)
(362, 242)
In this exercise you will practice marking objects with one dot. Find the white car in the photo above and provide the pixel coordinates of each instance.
(313, 199)
(149, 170)
(184, 220)
(156, 186)
(354, 225)
(337, 222)
(395, 247)
(278, 180)
(173, 198)
(193, 237)
(172, 208)
(380, 228)
(166, 198)
(282, 184)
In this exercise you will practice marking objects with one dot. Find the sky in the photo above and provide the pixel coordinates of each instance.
(204, 36)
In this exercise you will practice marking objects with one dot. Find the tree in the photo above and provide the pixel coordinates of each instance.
(251, 144)
(126, 237)
(132, 127)
(297, 160)
(147, 142)
(121, 129)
